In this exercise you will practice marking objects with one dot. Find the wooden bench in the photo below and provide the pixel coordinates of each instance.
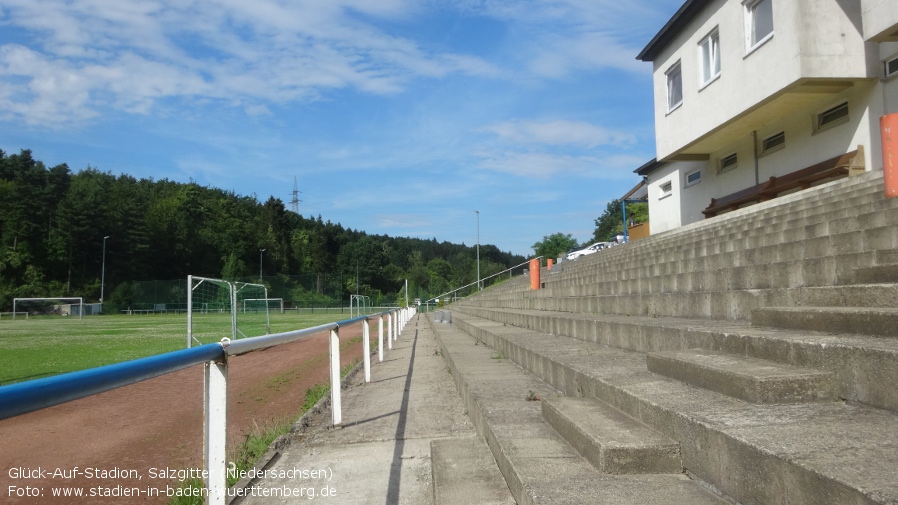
(846, 164)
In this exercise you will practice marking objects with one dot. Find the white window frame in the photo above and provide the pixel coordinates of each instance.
(674, 75)
(709, 58)
(687, 183)
(752, 42)
(765, 148)
(820, 126)
(666, 189)
(720, 163)
(893, 64)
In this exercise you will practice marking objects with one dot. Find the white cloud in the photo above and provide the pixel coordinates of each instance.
(129, 55)
(539, 165)
(559, 133)
(546, 165)
(560, 54)
(407, 221)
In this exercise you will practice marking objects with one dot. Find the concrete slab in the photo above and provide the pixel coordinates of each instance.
(464, 471)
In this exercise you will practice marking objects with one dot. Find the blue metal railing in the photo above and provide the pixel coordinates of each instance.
(24, 397)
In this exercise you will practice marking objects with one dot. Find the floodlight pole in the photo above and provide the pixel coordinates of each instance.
(103, 273)
(478, 249)
(260, 264)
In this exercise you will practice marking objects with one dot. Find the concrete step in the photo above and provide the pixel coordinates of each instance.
(880, 321)
(876, 274)
(609, 439)
(857, 295)
(750, 379)
(464, 471)
(539, 466)
(808, 453)
(865, 367)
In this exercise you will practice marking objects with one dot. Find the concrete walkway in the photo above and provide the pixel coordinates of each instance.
(382, 454)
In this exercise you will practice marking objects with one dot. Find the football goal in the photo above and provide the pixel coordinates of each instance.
(65, 306)
(217, 308)
(358, 304)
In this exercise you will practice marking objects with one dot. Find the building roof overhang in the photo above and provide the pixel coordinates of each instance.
(674, 26)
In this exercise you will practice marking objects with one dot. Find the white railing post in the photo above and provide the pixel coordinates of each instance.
(215, 387)
(390, 329)
(335, 378)
(366, 349)
(189, 311)
(380, 338)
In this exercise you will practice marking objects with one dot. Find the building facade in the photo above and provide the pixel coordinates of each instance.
(745, 90)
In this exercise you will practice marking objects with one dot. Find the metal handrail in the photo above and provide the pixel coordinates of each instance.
(24, 397)
(481, 280)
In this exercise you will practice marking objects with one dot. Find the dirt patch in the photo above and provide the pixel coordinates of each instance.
(107, 443)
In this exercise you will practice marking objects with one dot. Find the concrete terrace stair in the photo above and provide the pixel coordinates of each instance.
(539, 466)
(877, 274)
(821, 452)
(609, 439)
(864, 368)
(761, 342)
(882, 321)
(750, 379)
(727, 266)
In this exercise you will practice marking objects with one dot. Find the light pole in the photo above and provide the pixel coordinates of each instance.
(260, 264)
(478, 249)
(103, 273)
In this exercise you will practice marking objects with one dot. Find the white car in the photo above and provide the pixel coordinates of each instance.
(598, 246)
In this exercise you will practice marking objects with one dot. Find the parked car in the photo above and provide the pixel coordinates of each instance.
(618, 239)
(598, 246)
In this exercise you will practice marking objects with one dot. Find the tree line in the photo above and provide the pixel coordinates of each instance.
(56, 225)
(609, 224)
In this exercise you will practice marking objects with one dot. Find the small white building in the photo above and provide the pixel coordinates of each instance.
(746, 90)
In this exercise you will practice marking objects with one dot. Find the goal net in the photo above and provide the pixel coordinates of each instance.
(72, 306)
(270, 304)
(217, 308)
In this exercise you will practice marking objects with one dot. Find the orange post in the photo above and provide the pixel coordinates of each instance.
(889, 127)
(534, 274)
(549, 263)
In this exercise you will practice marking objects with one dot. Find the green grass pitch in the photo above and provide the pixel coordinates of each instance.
(44, 346)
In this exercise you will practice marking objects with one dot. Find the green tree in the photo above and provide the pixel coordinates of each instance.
(611, 222)
(554, 245)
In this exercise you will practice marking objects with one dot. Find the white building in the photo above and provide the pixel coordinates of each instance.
(746, 90)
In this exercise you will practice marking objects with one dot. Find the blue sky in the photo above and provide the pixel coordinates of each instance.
(397, 117)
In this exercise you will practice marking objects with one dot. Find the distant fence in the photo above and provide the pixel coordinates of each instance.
(304, 291)
(24, 397)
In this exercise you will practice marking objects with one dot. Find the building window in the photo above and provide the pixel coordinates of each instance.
(674, 87)
(832, 117)
(709, 54)
(693, 178)
(727, 163)
(758, 22)
(773, 143)
(891, 67)
(666, 190)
